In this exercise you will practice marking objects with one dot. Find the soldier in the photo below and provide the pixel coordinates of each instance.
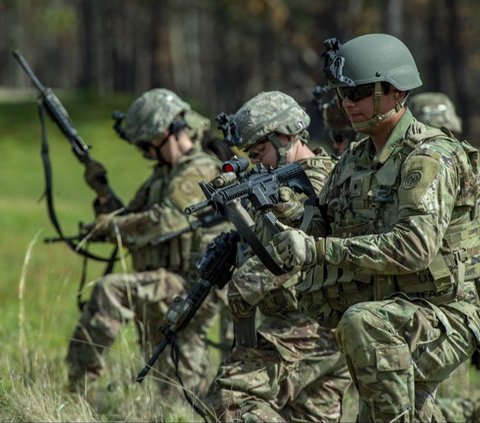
(437, 110)
(339, 129)
(295, 371)
(157, 123)
(391, 254)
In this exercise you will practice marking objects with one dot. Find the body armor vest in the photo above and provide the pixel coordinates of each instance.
(366, 202)
(180, 254)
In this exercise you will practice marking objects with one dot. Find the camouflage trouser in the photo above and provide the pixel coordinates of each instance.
(258, 385)
(398, 352)
(143, 297)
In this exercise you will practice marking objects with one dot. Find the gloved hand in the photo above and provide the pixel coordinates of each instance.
(96, 177)
(290, 209)
(293, 247)
(101, 228)
(240, 308)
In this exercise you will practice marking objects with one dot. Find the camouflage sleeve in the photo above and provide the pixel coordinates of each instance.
(254, 281)
(168, 216)
(427, 193)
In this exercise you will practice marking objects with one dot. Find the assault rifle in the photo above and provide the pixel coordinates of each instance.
(55, 109)
(60, 116)
(260, 187)
(215, 269)
(204, 220)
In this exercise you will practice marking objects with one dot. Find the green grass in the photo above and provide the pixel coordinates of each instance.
(38, 290)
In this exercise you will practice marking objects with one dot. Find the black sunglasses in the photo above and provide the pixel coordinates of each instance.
(356, 93)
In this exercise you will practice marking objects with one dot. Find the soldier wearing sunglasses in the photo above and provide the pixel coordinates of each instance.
(391, 256)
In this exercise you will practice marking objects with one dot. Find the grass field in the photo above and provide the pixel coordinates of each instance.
(38, 291)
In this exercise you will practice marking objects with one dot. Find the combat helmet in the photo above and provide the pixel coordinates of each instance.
(152, 113)
(371, 59)
(437, 110)
(263, 117)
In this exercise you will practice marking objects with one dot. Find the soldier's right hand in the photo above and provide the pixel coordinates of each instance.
(96, 177)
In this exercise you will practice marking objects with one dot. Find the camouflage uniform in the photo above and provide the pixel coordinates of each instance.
(296, 373)
(397, 271)
(339, 129)
(437, 110)
(161, 271)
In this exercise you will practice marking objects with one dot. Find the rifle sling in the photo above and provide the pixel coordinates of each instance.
(309, 205)
(251, 239)
(48, 194)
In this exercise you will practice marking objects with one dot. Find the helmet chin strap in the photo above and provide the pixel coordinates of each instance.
(158, 152)
(281, 150)
(366, 125)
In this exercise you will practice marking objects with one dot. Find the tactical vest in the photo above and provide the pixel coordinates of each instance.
(367, 203)
(283, 299)
(179, 254)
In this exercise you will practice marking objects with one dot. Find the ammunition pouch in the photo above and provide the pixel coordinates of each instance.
(279, 300)
(453, 274)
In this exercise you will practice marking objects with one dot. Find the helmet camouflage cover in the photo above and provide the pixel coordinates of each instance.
(435, 109)
(152, 113)
(266, 113)
(371, 58)
(197, 124)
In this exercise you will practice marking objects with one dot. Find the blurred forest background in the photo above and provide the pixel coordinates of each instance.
(219, 53)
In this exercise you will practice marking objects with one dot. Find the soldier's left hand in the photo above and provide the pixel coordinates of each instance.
(297, 249)
(102, 227)
(290, 209)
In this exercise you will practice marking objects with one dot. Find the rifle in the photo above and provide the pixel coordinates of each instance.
(59, 115)
(215, 269)
(204, 220)
(260, 187)
(55, 109)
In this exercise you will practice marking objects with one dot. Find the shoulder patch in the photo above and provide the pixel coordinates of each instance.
(187, 186)
(412, 179)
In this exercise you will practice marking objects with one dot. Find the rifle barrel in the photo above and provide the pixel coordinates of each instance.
(28, 70)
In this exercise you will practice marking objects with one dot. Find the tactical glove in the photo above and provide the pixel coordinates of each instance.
(295, 248)
(96, 177)
(290, 209)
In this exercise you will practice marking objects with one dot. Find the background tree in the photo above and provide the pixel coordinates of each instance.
(217, 53)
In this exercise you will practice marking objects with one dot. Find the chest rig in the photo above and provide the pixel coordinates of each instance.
(181, 253)
(365, 201)
(283, 298)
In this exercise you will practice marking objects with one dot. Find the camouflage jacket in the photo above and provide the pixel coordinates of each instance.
(158, 209)
(293, 334)
(400, 220)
